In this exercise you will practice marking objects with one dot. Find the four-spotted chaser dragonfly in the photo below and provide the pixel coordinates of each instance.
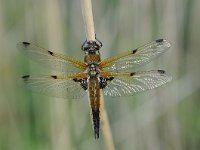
(115, 76)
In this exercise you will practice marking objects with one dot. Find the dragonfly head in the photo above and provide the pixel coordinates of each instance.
(91, 47)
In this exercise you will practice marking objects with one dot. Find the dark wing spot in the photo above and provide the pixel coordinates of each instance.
(109, 79)
(25, 78)
(26, 44)
(51, 53)
(161, 71)
(76, 80)
(159, 40)
(55, 77)
(131, 74)
(83, 83)
(134, 51)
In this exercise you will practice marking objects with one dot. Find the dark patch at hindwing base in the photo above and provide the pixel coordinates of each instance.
(103, 82)
(83, 83)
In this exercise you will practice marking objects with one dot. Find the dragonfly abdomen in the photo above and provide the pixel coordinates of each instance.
(94, 96)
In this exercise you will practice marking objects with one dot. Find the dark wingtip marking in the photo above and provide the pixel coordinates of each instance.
(111, 78)
(134, 51)
(131, 74)
(55, 77)
(159, 40)
(26, 43)
(25, 77)
(51, 53)
(161, 71)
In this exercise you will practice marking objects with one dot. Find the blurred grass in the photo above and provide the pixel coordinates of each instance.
(165, 118)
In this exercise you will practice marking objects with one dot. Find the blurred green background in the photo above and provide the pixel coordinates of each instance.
(167, 118)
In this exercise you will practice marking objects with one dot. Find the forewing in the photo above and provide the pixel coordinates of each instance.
(125, 84)
(56, 86)
(132, 60)
(50, 59)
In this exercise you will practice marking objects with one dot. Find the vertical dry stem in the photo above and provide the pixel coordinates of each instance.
(90, 34)
(88, 19)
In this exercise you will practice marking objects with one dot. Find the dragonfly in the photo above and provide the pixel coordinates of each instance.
(115, 76)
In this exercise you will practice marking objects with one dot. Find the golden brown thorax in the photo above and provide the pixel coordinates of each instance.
(92, 58)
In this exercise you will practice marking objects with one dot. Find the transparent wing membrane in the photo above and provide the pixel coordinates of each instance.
(50, 59)
(118, 83)
(126, 84)
(56, 86)
(134, 59)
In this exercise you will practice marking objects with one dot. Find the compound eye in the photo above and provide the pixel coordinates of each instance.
(86, 47)
(96, 47)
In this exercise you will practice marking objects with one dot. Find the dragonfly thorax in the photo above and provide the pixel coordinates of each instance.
(93, 70)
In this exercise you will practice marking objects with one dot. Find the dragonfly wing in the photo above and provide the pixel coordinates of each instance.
(126, 84)
(132, 60)
(50, 59)
(56, 86)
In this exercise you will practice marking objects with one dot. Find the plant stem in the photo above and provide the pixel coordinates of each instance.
(88, 19)
(90, 35)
